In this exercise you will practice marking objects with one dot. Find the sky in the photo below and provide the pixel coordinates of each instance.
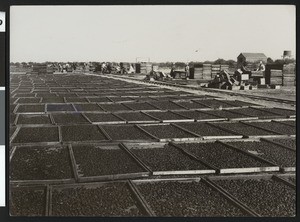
(159, 33)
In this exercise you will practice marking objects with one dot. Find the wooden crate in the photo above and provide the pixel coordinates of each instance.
(276, 73)
(276, 81)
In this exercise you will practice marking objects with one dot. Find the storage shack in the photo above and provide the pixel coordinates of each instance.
(252, 59)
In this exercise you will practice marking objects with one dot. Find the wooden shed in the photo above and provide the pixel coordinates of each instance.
(251, 58)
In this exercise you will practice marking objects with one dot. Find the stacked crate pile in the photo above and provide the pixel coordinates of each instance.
(137, 67)
(289, 75)
(145, 67)
(224, 67)
(276, 77)
(207, 71)
(215, 69)
(198, 72)
(79, 69)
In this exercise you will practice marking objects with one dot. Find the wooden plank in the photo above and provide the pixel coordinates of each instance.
(194, 157)
(73, 162)
(231, 198)
(139, 161)
(139, 197)
(278, 144)
(286, 182)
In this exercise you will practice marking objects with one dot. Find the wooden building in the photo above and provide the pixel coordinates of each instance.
(251, 58)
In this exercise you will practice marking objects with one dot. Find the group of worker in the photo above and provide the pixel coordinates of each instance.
(245, 70)
(186, 69)
(119, 68)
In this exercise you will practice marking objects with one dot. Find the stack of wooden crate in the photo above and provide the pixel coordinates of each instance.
(137, 67)
(289, 75)
(268, 74)
(145, 67)
(215, 69)
(198, 72)
(276, 77)
(224, 67)
(207, 71)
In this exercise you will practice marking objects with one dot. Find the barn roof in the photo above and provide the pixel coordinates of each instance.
(253, 55)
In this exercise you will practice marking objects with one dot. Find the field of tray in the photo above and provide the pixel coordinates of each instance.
(104, 145)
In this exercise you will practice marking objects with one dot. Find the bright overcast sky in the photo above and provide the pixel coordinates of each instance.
(162, 33)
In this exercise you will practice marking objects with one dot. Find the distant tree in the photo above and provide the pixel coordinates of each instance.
(220, 61)
(279, 61)
(287, 61)
(180, 64)
(231, 63)
(168, 64)
(195, 64)
(270, 60)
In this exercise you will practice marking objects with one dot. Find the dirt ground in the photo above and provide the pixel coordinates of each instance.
(285, 92)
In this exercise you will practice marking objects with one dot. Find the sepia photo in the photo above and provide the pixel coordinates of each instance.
(152, 111)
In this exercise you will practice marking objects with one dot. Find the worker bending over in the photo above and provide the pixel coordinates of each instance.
(244, 69)
(261, 67)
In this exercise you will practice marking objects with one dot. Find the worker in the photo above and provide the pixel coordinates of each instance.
(172, 70)
(244, 69)
(153, 75)
(122, 68)
(187, 71)
(261, 67)
(131, 69)
(109, 68)
(103, 67)
(60, 68)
